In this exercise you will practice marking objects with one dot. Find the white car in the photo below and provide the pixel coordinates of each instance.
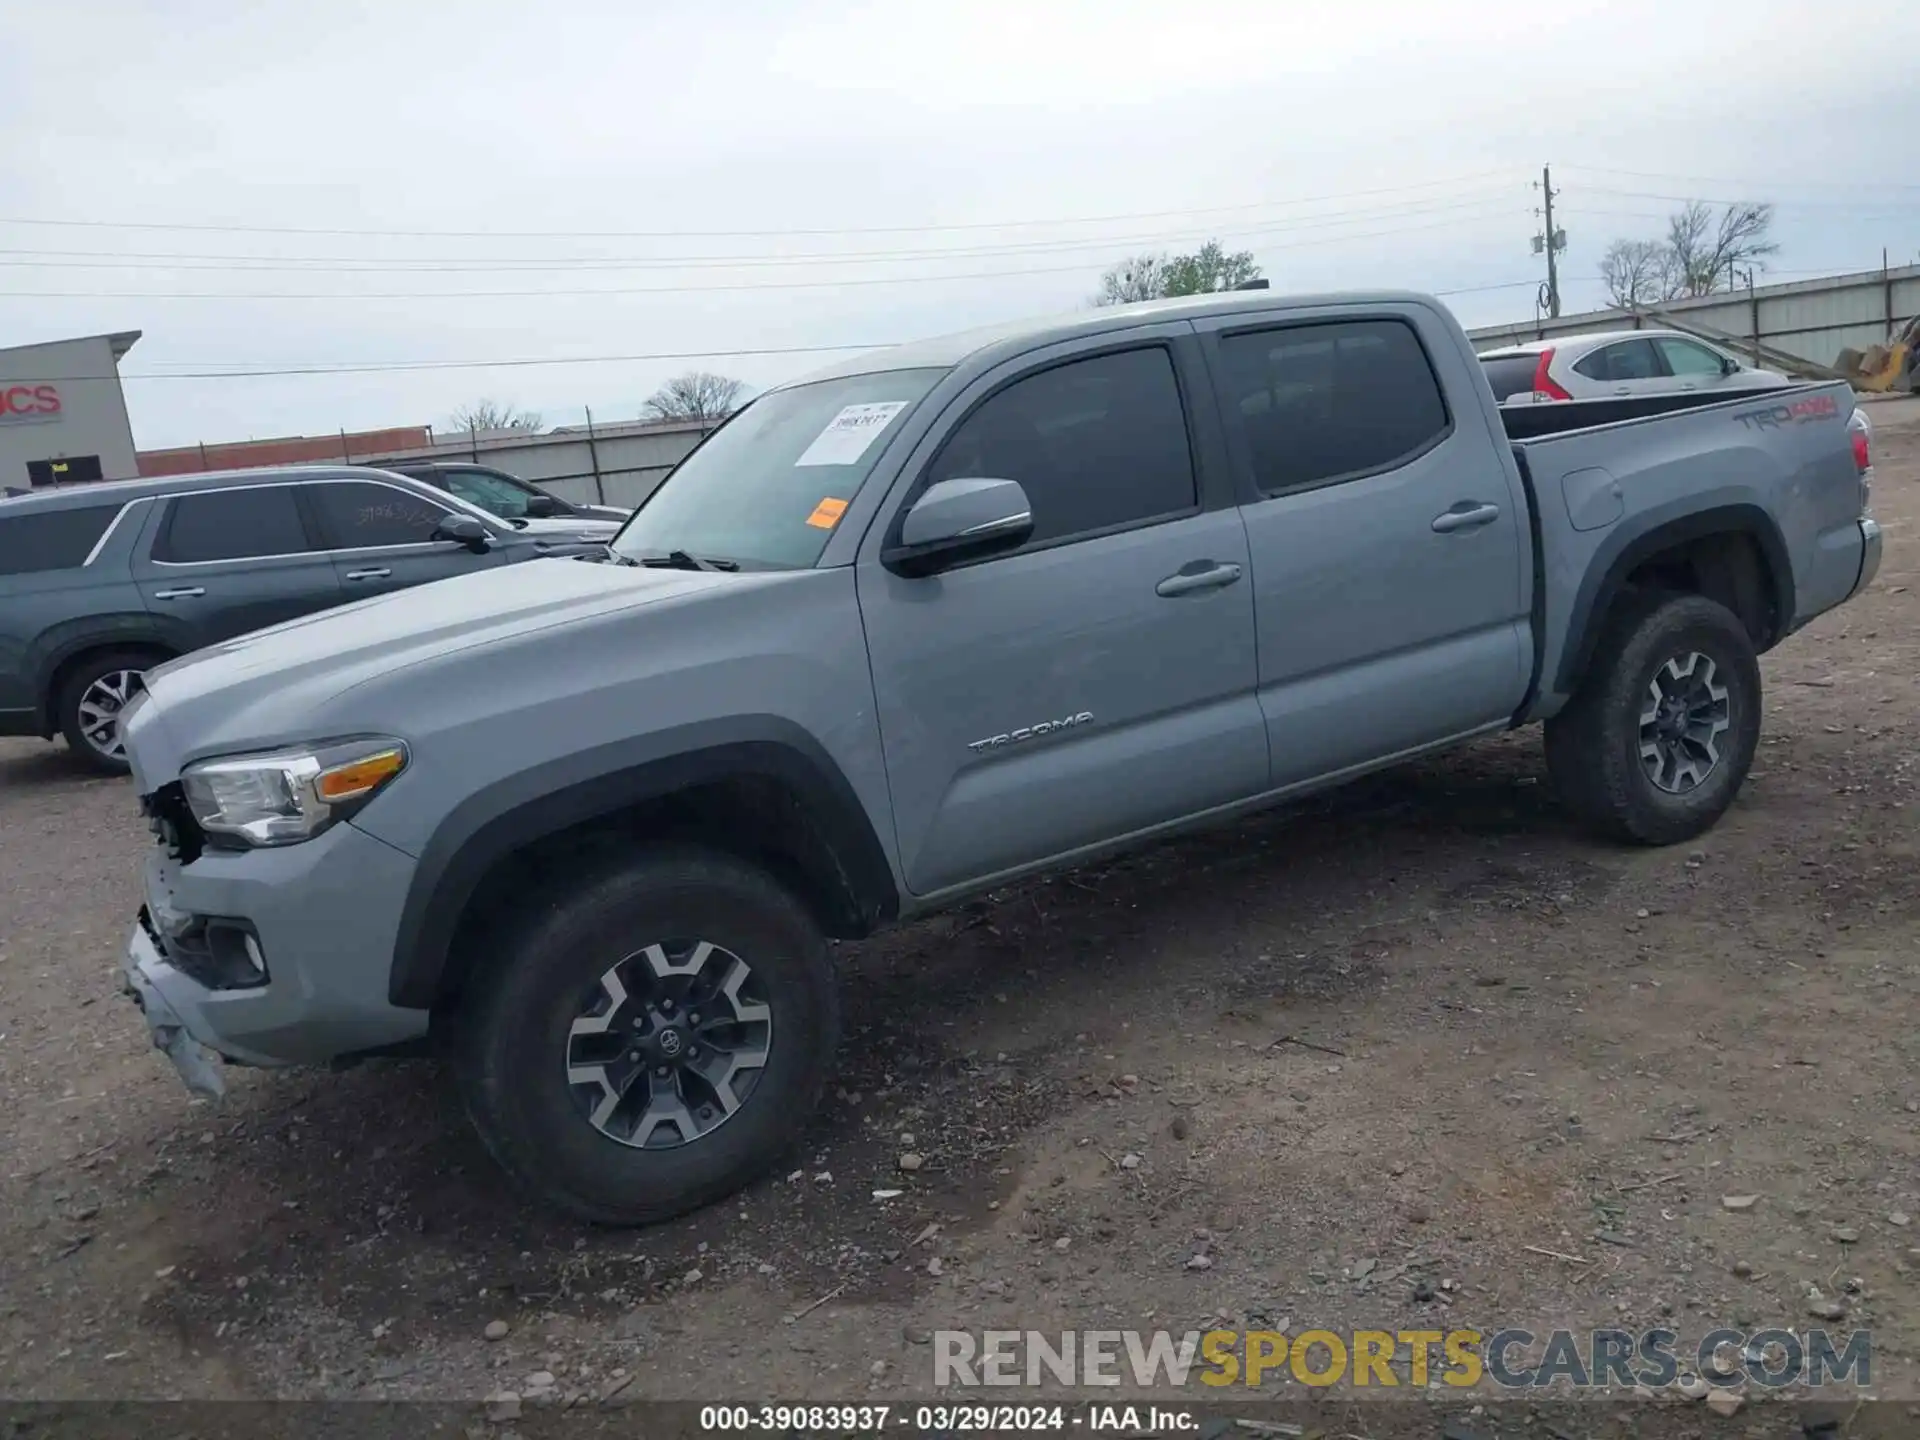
(1618, 363)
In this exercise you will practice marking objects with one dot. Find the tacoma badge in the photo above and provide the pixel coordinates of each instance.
(1032, 732)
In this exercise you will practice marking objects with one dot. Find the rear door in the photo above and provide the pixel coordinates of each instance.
(1099, 680)
(1626, 367)
(1389, 588)
(220, 563)
(381, 537)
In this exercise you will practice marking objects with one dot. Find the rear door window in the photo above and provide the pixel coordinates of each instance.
(1318, 402)
(1627, 360)
(358, 515)
(254, 523)
(38, 540)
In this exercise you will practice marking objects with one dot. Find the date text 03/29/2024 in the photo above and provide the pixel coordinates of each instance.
(947, 1419)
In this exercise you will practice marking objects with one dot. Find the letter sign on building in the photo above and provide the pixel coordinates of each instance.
(23, 404)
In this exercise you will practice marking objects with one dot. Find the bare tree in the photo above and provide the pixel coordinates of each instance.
(1139, 277)
(492, 415)
(1702, 251)
(1636, 272)
(696, 395)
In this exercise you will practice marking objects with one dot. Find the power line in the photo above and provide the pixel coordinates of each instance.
(1487, 205)
(228, 229)
(1874, 185)
(861, 280)
(408, 366)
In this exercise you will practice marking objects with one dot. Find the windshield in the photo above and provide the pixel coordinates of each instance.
(767, 488)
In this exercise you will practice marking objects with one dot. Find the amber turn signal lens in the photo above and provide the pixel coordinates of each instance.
(360, 777)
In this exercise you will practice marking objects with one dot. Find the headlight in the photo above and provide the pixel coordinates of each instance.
(288, 796)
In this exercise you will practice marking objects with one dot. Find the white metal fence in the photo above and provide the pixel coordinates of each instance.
(609, 464)
(1805, 321)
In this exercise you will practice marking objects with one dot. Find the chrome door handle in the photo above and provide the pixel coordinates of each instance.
(184, 592)
(1203, 575)
(368, 574)
(1465, 516)
(1621, 390)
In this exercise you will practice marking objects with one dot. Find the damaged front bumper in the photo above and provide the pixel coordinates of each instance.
(200, 1068)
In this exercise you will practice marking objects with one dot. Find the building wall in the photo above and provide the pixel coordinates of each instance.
(63, 399)
(1811, 320)
(611, 465)
(351, 448)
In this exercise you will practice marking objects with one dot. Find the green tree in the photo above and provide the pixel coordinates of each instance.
(1155, 276)
(1209, 269)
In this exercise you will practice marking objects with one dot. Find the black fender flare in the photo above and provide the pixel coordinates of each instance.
(1646, 535)
(534, 804)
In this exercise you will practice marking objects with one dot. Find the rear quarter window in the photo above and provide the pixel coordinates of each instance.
(40, 540)
(1510, 375)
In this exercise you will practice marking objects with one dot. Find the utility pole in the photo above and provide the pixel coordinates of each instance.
(1551, 243)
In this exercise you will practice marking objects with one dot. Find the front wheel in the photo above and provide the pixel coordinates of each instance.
(650, 1041)
(1656, 743)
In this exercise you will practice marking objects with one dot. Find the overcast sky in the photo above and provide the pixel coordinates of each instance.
(974, 161)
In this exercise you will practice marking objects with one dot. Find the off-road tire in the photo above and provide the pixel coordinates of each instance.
(1594, 745)
(73, 690)
(509, 1040)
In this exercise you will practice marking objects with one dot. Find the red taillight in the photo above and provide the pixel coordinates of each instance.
(1545, 384)
(1862, 452)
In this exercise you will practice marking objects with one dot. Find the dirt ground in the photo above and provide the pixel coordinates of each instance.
(1417, 1055)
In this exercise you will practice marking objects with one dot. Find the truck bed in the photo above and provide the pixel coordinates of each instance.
(1610, 479)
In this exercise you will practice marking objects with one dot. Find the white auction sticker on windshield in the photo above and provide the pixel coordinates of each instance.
(849, 433)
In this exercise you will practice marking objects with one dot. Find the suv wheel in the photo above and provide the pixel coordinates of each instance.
(1656, 743)
(652, 1040)
(90, 701)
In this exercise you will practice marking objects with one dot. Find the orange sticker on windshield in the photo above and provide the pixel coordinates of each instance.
(827, 514)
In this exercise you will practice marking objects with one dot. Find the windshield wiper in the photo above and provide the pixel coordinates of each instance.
(681, 560)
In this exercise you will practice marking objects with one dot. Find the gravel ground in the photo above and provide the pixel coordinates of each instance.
(1417, 1055)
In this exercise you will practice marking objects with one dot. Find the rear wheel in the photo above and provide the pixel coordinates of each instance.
(1657, 742)
(90, 700)
(651, 1040)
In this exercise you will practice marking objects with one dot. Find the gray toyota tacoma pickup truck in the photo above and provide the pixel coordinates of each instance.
(927, 621)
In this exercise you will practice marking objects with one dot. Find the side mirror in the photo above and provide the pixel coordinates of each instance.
(959, 520)
(541, 507)
(464, 530)
(1729, 367)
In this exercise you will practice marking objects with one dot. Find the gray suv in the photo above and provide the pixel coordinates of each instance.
(99, 584)
(906, 630)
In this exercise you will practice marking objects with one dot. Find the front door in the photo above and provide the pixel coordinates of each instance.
(382, 537)
(1098, 681)
(225, 562)
(1389, 582)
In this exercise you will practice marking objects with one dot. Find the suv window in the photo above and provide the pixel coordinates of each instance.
(358, 515)
(51, 539)
(1628, 360)
(1686, 358)
(492, 493)
(1316, 402)
(1510, 374)
(1096, 444)
(247, 524)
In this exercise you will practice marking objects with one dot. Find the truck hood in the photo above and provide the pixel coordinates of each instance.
(273, 686)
